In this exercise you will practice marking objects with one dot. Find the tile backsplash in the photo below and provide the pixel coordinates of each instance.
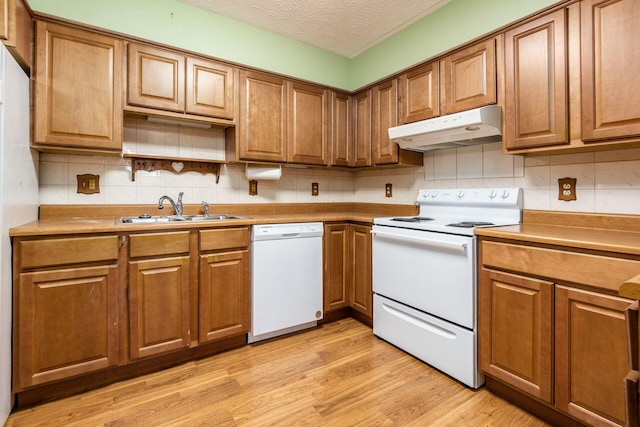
(607, 182)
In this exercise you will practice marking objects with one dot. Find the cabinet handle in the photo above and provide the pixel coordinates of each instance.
(427, 242)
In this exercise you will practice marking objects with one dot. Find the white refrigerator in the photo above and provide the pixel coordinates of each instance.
(18, 197)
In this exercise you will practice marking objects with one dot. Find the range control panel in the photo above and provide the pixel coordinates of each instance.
(471, 196)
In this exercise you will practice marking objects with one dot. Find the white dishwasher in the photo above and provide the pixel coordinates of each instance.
(286, 278)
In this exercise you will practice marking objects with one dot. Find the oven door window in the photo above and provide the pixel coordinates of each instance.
(432, 272)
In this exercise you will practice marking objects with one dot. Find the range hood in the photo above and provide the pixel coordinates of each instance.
(471, 127)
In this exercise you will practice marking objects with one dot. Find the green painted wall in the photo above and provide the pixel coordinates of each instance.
(177, 24)
(450, 26)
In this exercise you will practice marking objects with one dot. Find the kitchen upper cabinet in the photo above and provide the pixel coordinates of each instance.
(262, 127)
(337, 261)
(16, 30)
(341, 129)
(516, 331)
(536, 102)
(225, 283)
(166, 80)
(470, 77)
(155, 78)
(610, 60)
(361, 283)
(385, 115)
(159, 309)
(361, 129)
(419, 95)
(78, 90)
(309, 124)
(591, 356)
(65, 308)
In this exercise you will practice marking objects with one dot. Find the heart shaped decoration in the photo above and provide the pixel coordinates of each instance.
(177, 166)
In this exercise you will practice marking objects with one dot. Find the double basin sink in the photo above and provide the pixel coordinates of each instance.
(148, 219)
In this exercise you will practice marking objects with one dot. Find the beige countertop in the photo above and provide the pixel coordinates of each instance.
(619, 241)
(95, 219)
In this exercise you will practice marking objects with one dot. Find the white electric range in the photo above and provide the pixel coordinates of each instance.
(425, 275)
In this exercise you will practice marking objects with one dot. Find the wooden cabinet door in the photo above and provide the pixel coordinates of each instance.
(78, 89)
(610, 64)
(4, 19)
(385, 115)
(341, 129)
(68, 323)
(262, 128)
(536, 101)
(16, 30)
(361, 285)
(362, 129)
(210, 89)
(158, 306)
(516, 331)
(225, 286)
(336, 248)
(308, 124)
(470, 77)
(591, 356)
(155, 78)
(419, 93)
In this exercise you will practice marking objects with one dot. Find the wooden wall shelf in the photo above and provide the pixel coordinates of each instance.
(175, 165)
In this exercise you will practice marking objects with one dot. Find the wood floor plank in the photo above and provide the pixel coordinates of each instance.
(339, 374)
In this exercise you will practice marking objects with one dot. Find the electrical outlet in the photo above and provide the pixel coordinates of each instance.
(314, 189)
(567, 189)
(388, 192)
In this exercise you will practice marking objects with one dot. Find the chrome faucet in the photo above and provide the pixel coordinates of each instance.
(206, 208)
(176, 206)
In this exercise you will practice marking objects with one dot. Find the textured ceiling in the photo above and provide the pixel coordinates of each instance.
(346, 27)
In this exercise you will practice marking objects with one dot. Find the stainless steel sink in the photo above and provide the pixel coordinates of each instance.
(147, 219)
(215, 217)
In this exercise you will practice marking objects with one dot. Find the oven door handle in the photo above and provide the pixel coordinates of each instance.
(461, 246)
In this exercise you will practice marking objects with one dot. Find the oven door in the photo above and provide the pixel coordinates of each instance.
(432, 272)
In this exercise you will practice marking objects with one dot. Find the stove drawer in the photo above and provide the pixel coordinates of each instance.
(445, 346)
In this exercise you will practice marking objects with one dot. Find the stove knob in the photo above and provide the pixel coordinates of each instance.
(460, 194)
(426, 194)
(434, 194)
(493, 194)
(504, 194)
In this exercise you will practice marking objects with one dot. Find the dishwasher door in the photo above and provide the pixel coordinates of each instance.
(286, 278)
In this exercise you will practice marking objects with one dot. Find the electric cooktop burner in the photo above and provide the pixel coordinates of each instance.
(413, 219)
(469, 224)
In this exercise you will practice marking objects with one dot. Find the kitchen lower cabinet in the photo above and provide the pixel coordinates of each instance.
(225, 284)
(361, 283)
(159, 279)
(562, 345)
(337, 261)
(516, 331)
(591, 356)
(65, 313)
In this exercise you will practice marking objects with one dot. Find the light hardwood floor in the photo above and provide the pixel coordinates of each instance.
(337, 375)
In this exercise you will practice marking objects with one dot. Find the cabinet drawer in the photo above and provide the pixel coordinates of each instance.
(560, 265)
(224, 238)
(158, 244)
(49, 252)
